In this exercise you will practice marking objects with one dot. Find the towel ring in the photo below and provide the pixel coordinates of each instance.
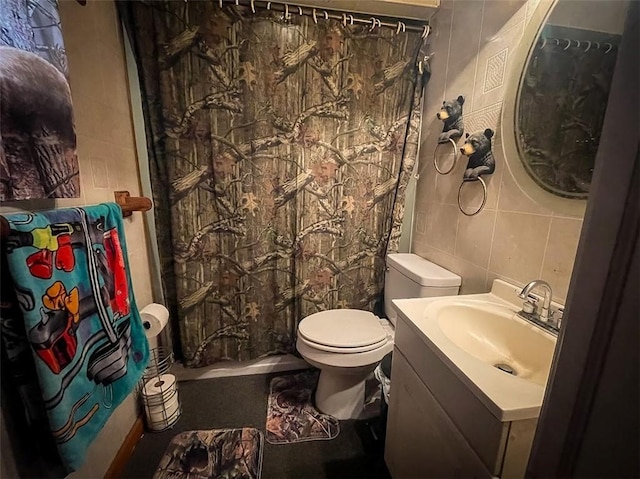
(484, 196)
(455, 157)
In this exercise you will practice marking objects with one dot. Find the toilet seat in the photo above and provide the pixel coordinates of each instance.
(359, 331)
(348, 350)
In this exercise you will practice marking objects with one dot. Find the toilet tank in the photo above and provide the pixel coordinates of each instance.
(410, 276)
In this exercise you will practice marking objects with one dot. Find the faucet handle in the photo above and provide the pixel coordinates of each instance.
(555, 318)
(529, 306)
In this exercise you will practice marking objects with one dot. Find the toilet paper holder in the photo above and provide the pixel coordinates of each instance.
(159, 391)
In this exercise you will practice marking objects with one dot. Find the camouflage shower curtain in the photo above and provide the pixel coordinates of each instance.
(280, 152)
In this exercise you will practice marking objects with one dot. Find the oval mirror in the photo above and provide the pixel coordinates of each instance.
(557, 97)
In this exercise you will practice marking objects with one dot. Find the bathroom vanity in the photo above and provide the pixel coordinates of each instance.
(453, 412)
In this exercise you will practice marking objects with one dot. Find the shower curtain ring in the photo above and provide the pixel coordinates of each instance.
(578, 43)
(597, 44)
(544, 43)
(588, 46)
(268, 5)
(326, 15)
(350, 19)
(220, 3)
(299, 10)
(344, 19)
(253, 6)
(287, 15)
(426, 29)
(568, 43)
(237, 3)
(608, 49)
(315, 18)
(401, 26)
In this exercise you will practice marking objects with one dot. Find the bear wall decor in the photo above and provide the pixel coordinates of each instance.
(477, 147)
(451, 115)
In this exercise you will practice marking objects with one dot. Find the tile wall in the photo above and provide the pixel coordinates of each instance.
(513, 238)
(107, 157)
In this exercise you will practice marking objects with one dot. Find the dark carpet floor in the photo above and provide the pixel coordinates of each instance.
(236, 402)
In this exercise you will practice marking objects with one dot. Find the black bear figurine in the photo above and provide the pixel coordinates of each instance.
(451, 114)
(478, 148)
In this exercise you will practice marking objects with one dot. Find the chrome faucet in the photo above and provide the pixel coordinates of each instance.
(546, 302)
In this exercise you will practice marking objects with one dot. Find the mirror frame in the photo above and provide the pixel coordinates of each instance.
(506, 145)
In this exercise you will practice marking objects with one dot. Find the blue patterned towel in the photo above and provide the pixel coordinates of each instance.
(71, 277)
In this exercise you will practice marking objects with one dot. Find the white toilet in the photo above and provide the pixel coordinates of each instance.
(347, 344)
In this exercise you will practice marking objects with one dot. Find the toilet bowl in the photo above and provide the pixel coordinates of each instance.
(347, 344)
(345, 360)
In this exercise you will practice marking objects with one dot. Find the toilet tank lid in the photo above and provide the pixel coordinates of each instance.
(422, 271)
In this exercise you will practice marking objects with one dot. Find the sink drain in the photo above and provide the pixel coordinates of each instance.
(506, 368)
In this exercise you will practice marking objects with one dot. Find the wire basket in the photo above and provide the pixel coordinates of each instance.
(159, 391)
(160, 362)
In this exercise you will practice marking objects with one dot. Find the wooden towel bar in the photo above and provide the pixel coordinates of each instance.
(128, 203)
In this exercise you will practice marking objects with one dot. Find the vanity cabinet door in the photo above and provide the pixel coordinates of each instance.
(422, 442)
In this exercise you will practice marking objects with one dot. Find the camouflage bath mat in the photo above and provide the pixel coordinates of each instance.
(291, 416)
(230, 453)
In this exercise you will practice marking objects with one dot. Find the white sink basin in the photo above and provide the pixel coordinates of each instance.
(494, 335)
(504, 359)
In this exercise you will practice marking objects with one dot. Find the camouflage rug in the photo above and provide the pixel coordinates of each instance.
(291, 416)
(229, 453)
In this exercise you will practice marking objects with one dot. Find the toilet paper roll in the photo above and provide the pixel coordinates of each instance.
(154, 318)
(162, 416)
(159, 389)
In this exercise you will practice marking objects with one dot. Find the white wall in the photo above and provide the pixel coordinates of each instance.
(513, 238)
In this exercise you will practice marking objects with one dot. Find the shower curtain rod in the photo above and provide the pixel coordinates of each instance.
(318, 14)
